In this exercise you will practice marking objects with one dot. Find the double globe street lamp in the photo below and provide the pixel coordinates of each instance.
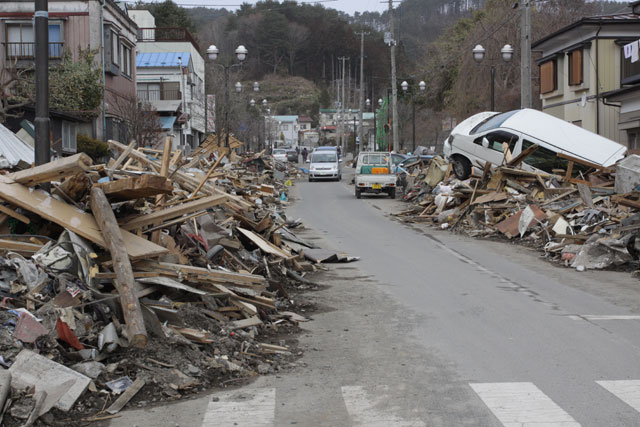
(405, 87)
(478, 56)
(241, 55)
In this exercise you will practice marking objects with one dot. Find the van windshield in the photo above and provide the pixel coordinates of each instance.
(324, 157)
(492, 122)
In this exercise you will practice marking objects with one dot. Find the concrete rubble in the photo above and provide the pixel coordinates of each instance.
(148, 278)
(575, 215)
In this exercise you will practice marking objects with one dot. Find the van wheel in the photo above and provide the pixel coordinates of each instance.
(358, 193)
(310, 179)
(392, 193)
(461, 167)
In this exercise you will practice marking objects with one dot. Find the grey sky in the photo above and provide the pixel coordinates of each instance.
(349, 6)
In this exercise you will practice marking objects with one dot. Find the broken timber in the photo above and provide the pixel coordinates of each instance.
(135, 187)
(53, 171)
(124, 282)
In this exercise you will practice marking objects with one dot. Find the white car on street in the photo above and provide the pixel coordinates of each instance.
(485, 136)
(280, 154)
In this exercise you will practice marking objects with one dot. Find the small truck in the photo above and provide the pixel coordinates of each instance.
(374, 174)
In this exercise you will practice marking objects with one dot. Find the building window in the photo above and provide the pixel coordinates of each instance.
(576, 70)
(548, 77)
(629, 71)
(633, 139)
(115, 49)
(285, 127)
(21, 41)
(126, 60)
(69, 135)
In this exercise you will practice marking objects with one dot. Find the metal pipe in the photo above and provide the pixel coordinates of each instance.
(413, 107)
(42, 122)
(104, 74)
(226, 106)
(598, 81)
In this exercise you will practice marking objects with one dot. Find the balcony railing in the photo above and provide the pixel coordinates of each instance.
(159, 95)
(27, 50)
(166, 34)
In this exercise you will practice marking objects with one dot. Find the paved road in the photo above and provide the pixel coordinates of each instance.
(432, 329)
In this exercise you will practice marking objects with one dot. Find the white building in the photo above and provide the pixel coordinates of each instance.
(160, 80)
(288, 127)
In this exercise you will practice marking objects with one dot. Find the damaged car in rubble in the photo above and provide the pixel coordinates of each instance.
(485, 137)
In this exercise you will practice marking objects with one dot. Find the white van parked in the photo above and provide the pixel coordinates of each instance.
(480, 138)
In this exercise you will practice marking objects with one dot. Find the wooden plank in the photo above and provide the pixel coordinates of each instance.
(158, 216)
(567, 176)
(581, 161)
(263, 244)
(199, 274)
(586, 196)
(123, 156)
(522, 156)
(124, 283)
(627, 202)
(245, 323)
(20, 247)
(126, 396)
(14, 214)
(175, 221)
(82, 223)
(559, 196)
(221, 156)
(53, 171)
(517, 186)
(136, 187)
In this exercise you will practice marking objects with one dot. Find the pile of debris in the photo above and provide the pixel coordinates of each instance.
(152, 276)
(585, 215)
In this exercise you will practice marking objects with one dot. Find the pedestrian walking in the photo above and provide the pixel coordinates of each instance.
(305, 153)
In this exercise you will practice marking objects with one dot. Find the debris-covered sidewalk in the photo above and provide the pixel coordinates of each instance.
(148, 278)
(583, 215)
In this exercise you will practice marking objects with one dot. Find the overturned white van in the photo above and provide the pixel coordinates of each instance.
(483, 137)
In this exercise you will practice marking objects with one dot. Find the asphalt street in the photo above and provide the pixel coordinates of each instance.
(434, 329)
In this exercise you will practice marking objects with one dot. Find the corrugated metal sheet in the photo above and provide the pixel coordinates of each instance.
(162, 59)
(12, 149)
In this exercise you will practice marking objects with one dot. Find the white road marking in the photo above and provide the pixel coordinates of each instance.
(604, 317)
(626, 390)
(245, 408)
(522, 405)
(365, 409)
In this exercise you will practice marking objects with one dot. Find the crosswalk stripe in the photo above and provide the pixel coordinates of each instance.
(626, 390)
(364, 409)
(245, 408)
(522, 405)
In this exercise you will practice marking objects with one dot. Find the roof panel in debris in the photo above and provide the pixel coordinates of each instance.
(13, 149)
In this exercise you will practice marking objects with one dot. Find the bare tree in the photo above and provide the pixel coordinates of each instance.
(10, 105)
(296, 41)
(141, 120)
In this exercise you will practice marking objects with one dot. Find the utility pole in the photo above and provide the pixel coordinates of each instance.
(42, 122)
(394, 87)
(361, 103)
(343, 59)
(525, 54)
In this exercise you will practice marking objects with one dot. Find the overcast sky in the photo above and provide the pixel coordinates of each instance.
(349, 6)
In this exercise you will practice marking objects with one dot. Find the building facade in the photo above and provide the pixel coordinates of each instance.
(76, 25)
(175, 87)
(286, 127)
(583, 62)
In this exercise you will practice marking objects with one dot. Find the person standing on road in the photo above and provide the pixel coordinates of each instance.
(305, 153)
(339, 153)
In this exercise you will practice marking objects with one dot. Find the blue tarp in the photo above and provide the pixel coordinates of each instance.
(167, 122)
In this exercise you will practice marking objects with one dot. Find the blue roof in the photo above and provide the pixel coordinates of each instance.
(167, 121)
(162, 59)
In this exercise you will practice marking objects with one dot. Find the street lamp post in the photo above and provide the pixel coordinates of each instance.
(241, 54)
(405, 86)
(256, 88)
(478, 55)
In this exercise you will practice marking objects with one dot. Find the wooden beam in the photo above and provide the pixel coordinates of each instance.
(123, 156)
(135, 187)
(581, 161)
(125, 282)
(221, 155)
(53, 171)
(161, 215)
(21, 247)
(14, 214)
(523, 155)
